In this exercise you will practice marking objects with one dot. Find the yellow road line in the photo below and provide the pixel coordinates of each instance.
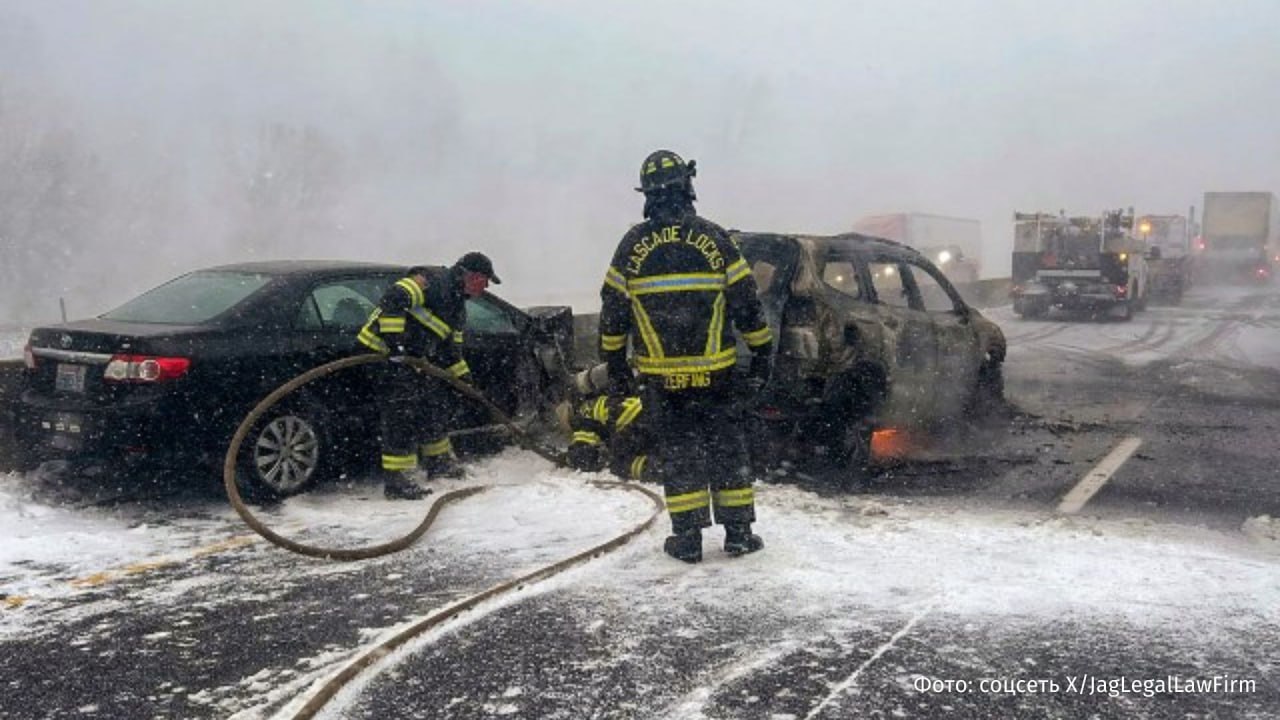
(105, 577)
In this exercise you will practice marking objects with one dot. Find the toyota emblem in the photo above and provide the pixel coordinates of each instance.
(65, 341)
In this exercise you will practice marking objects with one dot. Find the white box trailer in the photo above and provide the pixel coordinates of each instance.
(953, 244)
(1240, 235)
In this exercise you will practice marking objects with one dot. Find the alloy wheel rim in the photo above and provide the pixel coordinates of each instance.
(286, 453)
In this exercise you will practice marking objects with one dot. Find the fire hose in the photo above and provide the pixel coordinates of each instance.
(229, 465)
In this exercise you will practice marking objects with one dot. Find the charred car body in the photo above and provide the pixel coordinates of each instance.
(870, 335)
(171, 374)
(1089, 264)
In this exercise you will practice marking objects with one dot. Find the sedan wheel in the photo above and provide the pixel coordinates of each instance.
(286, 454)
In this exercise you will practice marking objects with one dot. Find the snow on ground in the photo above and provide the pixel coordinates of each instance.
(1193, 329)
(876, 552)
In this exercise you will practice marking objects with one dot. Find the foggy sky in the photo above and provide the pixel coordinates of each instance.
(518, 129)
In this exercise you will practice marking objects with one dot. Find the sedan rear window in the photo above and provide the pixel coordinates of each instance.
(191, 299)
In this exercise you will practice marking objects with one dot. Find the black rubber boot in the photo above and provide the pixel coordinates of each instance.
(396, 486)
(685, 546)
(442, 467)
(739, 540)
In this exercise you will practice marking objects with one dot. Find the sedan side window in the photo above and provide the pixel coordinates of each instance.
(932, 294)
(887, 279)
(345, 304)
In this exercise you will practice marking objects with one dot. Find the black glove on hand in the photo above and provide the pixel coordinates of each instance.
(761, 371)
(620, 377)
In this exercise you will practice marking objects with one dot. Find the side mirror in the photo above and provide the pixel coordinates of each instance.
(1153, 253)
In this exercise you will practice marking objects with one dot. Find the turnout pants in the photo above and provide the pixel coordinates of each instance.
(415, 410)
(699, 455)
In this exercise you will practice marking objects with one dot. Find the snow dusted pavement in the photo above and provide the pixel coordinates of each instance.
(855, 601)
(947, 586)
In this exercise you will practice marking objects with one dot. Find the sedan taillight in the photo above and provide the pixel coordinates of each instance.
(145, 368)
(28, 357)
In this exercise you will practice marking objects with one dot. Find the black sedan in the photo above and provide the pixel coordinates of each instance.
(170, 374)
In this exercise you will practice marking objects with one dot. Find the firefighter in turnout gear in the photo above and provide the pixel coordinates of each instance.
(674, 291)
(608, 430)
(422, 315)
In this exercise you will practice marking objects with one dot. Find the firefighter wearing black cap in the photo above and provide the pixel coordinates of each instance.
(422, 315)
(676, 288)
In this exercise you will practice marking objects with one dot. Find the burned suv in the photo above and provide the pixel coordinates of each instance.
(870, 335)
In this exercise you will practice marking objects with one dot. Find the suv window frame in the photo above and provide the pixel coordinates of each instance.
(957, 303)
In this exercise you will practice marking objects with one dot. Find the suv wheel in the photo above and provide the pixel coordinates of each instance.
(988, 392)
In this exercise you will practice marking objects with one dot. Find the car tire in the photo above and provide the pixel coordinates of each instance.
(1029, 310)
(286, 452)
(988, 391)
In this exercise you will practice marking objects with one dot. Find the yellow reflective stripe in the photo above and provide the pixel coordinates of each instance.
(459, 368)
(716, 330)
(399, 462)
(676, 282)
(586, 437)
(390, 324)
(371, 340)
(457, 336)
(411, 286)
(600, 411)
(688, 501)
(758, 337)
(611, 343)
(652, 345)
(735, 498)
(615, 280)
(689, 364)
(630, 409)
(736, 271)
(637, 466)
(431, 321)
(439, 447)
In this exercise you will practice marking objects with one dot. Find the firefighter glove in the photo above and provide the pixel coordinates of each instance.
(761, 371)
(620, 377)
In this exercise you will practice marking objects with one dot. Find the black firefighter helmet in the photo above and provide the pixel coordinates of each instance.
(664, 170)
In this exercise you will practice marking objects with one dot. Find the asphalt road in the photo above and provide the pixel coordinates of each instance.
(233, 628)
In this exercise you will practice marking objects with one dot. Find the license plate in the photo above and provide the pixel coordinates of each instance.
(70, 378)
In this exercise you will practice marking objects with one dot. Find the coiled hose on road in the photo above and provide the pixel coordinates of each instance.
(230, 462)
(329, 689)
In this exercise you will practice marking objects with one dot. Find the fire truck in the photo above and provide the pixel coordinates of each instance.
(1084, 264)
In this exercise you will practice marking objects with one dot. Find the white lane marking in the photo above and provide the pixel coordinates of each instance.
(1098, 476)
(886, 647)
